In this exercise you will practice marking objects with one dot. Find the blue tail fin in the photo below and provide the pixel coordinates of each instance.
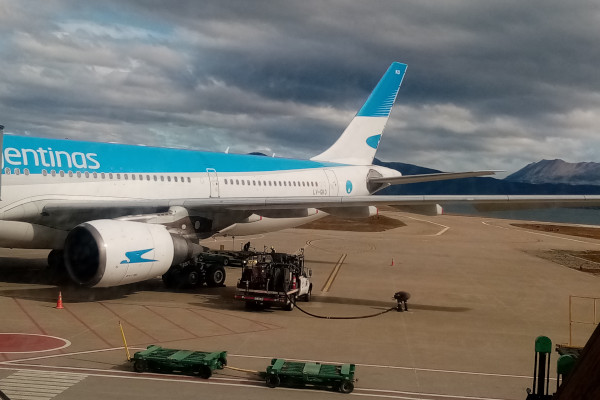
(359, 142)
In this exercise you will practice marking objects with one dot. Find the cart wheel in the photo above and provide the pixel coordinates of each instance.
(215, 276)
(140, 366)
(273, 381)
(204, 372)
(346, 387)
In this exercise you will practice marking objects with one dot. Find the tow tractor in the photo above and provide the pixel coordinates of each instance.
(274, 279)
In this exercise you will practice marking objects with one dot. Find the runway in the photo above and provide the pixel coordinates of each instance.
(479, 298)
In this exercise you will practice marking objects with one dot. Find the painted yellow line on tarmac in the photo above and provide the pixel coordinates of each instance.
(334, 273)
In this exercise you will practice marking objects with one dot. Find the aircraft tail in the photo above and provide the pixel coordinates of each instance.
(1, 157)
(359, 142)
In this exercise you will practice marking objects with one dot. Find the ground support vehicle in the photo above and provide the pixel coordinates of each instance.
(339, 377)
(226, 258)
(194, 273)
(158, 359)
(274, 279)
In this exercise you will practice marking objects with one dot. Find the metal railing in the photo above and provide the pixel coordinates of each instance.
(595, 318)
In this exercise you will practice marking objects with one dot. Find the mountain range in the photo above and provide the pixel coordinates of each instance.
(549, 178)
(558, 171)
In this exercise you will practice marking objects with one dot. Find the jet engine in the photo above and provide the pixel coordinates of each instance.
(106, 253)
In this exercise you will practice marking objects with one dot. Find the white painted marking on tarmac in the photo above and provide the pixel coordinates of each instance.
(69, 354)
(448, 371)
(434, 223)
(38, 385)
(70, 377)
(429, 396)
(65, 341)
(538, 233)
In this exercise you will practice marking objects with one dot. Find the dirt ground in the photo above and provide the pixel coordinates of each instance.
(573, 230)
(585, 261)
(376, 223)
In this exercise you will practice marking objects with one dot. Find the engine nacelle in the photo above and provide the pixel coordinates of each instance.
(106, 253)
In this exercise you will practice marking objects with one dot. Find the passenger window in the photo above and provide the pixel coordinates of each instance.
(26, 171)
(52, 172)
(62, 174)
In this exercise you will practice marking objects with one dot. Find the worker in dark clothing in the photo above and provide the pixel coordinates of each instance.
(247, 246)
(401, 298)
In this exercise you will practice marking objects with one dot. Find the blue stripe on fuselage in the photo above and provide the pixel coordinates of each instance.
(37, 154)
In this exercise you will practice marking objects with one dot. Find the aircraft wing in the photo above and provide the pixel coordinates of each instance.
(65, 214)
(440, 176)
(129, 206)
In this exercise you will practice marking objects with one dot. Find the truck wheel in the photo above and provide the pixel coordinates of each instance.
(204, 372)
(308, 295)
(273, 381)
(346, 387)
(140, 366)
(290, 306)
(215, 276)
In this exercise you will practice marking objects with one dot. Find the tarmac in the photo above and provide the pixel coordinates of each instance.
(479, 298)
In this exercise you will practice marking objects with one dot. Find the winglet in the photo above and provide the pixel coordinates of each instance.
(359, 142)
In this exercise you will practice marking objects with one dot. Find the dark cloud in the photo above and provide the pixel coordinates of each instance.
(489, 84)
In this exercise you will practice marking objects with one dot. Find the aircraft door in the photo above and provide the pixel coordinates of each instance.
(333, 183)
(214, 182)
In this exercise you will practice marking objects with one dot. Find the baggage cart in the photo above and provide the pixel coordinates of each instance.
(339, 377)
(172, 361)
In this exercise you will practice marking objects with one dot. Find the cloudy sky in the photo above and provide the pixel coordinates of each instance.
(490, 84)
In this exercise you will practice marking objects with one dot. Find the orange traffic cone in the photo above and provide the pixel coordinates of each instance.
(392, 264)
(59, 304)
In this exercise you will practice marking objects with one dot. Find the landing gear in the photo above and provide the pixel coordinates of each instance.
(215, 276)
(57, 270)
(194, 273)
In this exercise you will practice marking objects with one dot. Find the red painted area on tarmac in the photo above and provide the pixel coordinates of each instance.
(29, 343)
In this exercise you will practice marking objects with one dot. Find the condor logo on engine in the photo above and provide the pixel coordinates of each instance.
(134, 257)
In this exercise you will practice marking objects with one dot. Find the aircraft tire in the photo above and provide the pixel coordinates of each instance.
(215, 276)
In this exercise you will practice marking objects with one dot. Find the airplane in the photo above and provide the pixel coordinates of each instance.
(114, 214)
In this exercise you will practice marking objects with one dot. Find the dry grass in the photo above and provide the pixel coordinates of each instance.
(585, 261)
(573, 230)
(377, 223)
